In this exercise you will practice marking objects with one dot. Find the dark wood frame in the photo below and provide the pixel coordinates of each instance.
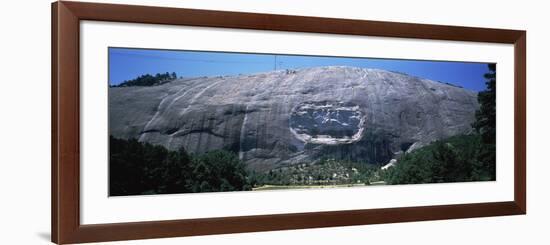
(66, 227)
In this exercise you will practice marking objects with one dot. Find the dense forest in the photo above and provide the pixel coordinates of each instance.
(455, 159)
(149, 80)
(137, 168)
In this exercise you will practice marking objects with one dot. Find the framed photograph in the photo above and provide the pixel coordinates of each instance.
(176, 122)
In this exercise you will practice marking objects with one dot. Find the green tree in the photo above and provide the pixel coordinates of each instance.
(485, 123)
(219, 170)
(455, 159)
(137, 168)
(149, 80)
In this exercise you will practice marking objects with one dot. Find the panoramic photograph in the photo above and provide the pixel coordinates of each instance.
(202, 121)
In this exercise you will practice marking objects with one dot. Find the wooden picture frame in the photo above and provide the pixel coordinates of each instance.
(66, 226)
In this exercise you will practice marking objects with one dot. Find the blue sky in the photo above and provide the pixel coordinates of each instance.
(126, 64)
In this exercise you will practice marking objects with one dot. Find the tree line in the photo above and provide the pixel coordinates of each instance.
(137, 168)
(149, 80)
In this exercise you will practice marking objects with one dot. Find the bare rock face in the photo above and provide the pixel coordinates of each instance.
(289, 117)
